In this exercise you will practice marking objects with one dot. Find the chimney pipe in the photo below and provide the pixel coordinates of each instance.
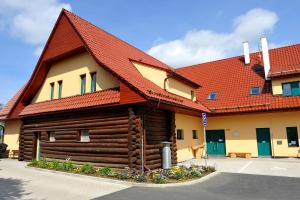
(246, 53)
(265, 54)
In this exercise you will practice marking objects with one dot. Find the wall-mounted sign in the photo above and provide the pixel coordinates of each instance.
(279, 142)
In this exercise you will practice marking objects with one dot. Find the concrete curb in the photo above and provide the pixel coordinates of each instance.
(127, 183)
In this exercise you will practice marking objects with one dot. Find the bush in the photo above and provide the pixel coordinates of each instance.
(139, 176)
(106, 171)
(33, 163)
(159, 178)
(55, 165)
(87, 169)
(208, 169)
(43, 163)
(179, 173)
(124, 174)
(68, 166)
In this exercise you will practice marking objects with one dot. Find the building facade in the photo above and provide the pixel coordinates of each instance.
(94, 98)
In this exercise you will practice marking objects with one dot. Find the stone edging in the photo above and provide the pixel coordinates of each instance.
(128, 183)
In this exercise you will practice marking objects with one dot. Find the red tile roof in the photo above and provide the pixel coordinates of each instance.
(285, 61)
(232, 80)
(10, 105)
(88, 100)
(116, 56)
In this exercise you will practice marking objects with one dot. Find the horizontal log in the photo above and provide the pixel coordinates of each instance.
(109, 140)
(82, 144)
(89, 159)
(153, 156)
(89, 150)
(113, 136)
(72, 122)
(154, 166)
(109, 131)
(111, 155)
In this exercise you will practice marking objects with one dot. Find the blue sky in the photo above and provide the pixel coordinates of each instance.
(179, 33)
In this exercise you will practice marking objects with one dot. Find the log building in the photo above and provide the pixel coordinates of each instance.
(95, 98)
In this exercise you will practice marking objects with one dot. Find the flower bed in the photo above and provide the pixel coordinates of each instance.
(175, 174)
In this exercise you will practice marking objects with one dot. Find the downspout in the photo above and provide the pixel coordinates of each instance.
(165, 81)
(143, 117)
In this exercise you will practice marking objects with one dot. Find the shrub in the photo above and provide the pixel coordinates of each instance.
(106, 171)
(55, 165)
(33, 163)
(68, 166)
(140, 176)
(159, 178)
(43, 163)
(124, 174)
(208, 169)
(87, 169)
(179, 173)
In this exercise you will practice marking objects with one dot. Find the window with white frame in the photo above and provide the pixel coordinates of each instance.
(51, 136)
(84, 136)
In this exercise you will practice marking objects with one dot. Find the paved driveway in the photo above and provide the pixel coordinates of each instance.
(288, 167)
(224, 186)
(17, 182)
(279, 182)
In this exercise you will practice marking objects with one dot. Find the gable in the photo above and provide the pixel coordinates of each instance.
(68, 71)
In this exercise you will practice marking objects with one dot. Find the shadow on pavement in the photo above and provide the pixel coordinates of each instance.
(11, 189)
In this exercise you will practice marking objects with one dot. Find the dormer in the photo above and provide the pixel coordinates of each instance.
(170, 81)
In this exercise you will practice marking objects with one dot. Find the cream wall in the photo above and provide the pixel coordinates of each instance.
(158, 76)
(69, 71)
(11, 134)
(277, 84)
(240, 131)
(184, 147)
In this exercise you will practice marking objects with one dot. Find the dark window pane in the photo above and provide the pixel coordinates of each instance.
(286, 87)
(93, 82)
(212, 96)
(60, 83)
(292, 136)
(255, 91)
(195, 134)
(180, 135)
(83, 84)
(51, 91)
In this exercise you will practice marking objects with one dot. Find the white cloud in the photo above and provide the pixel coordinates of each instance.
(205, 45)
(31, 21)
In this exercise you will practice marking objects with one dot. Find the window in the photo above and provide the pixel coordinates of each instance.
(292, 136)
(180, 134)
(84, 136)
(255, 91)
(192, 95)
(195, 134)
(212, 96)
(51, 91)
(291, 89)
(82, 84)
(60, 83)
(51, 135)
(93, 81)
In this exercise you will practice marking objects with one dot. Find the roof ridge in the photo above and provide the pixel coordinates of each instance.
(238, 56)
(117, 38)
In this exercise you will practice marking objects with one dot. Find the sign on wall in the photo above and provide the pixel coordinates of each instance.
(204, 119)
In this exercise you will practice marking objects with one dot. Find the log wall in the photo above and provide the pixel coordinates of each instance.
(116, 137)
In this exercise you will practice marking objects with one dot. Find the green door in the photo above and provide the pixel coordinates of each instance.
(263, 142)
(215, 140)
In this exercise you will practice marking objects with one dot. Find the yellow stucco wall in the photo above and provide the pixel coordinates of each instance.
(277, 84)
(187, 124)
(11, 134)
(158, 76)
(240, 131)
(69, 71)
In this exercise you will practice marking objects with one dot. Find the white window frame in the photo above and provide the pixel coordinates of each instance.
(84, 136)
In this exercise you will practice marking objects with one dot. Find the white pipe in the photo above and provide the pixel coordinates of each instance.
(246, 52)
(265, 54)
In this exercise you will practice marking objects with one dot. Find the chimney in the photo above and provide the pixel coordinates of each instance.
(265, 55)
(246, 53)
